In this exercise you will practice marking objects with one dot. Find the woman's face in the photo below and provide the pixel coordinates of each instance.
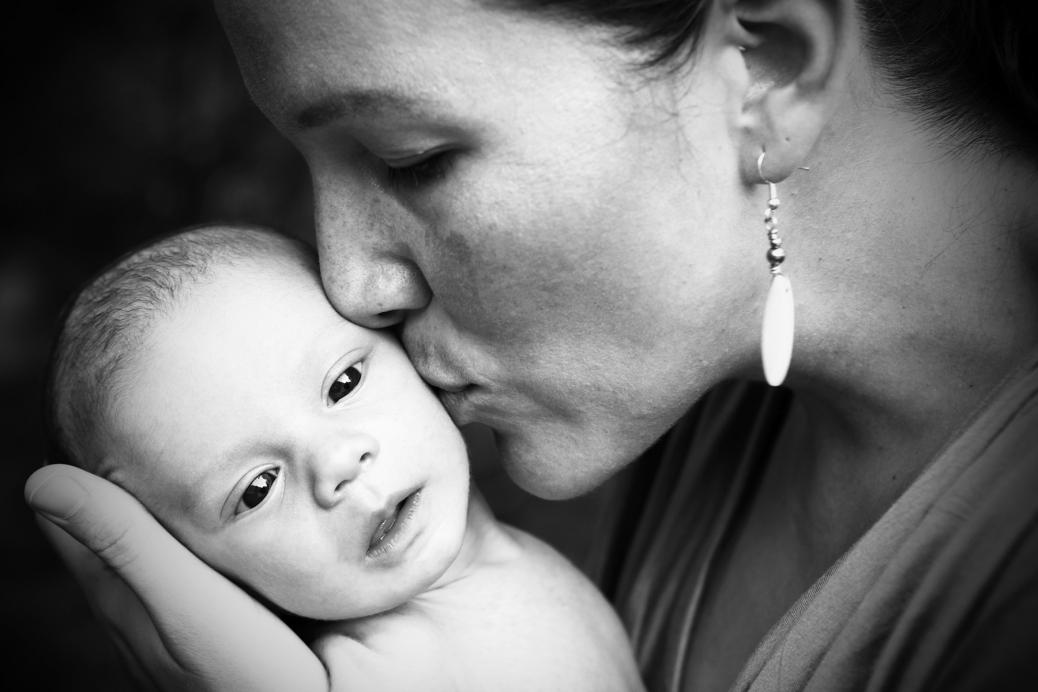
(561, 240)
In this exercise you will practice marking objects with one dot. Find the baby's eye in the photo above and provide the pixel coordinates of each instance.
(257, 490)
(345, 383)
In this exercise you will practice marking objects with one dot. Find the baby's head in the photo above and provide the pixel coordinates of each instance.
(296, 452)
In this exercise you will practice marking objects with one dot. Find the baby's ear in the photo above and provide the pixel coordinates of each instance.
(798, 55)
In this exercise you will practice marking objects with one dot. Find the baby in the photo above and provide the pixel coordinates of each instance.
(302, 456)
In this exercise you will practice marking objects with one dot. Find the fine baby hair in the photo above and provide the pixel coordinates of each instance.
(105, 322)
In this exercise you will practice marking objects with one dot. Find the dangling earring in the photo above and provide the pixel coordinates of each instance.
(776, 339)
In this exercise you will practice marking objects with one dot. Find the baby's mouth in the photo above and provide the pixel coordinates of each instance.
(396, 519)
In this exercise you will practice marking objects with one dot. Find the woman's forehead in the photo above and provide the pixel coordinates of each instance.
(294, 54)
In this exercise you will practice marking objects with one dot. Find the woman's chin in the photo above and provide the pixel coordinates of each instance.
(554, 471)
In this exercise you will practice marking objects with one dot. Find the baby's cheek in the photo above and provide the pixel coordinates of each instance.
(291, 590)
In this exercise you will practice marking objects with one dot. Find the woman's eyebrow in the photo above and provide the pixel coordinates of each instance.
(359, 103)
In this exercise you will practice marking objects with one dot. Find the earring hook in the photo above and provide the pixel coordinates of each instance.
(772, 190)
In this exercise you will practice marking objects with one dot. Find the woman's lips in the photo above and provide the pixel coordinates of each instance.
(393, 525)
(454, 402)
(433, 364)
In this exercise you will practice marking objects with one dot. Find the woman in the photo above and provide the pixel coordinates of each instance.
(573, 214)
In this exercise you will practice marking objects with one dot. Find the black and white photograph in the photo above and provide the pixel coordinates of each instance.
(521, 345)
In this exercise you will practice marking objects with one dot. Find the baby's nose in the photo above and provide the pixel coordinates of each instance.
(339, 462)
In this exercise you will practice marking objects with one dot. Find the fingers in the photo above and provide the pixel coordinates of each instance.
(106, 592)
(113, 526)
(118, 609)
(214, 633)
(103, 518)
(113, 602)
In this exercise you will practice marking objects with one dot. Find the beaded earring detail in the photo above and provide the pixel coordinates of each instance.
(776, 340)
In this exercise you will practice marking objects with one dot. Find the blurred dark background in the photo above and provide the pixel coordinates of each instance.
(124, 120)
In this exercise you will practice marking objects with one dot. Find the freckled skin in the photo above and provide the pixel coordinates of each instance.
(565, 260)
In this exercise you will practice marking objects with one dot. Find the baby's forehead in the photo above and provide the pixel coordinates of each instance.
(265, 311)
(275, 260)
(244, 275)
(204, 355)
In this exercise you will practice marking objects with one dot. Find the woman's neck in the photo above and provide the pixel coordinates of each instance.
(923, 299)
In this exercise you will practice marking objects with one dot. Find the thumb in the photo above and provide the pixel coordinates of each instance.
(101, 516)
(210, 627)
(114, 526)
(53, 490)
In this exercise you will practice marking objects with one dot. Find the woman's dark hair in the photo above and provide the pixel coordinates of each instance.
(970, 66)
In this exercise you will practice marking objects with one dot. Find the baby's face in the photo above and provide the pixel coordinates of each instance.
(292, 449)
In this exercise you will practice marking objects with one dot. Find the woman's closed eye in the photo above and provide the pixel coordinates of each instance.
(344, 385)
(419, 171)
(257, 490)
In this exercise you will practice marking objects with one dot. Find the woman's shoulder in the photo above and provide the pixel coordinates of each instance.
(942, 592)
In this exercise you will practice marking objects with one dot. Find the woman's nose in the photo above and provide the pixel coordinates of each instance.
(339, 461)
(366, 264)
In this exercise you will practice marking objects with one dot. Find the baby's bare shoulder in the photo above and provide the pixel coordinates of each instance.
(399, 650)
(536, 622)
(528, 620)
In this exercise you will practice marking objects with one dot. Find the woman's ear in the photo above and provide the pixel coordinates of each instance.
(798, 54)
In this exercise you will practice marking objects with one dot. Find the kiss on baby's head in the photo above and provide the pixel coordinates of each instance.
(295, 451)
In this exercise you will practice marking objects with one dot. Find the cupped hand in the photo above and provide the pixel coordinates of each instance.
(179, 624)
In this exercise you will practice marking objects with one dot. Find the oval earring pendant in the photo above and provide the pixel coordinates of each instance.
(776, 340)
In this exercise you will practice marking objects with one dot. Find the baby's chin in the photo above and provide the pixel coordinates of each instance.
(372, 593)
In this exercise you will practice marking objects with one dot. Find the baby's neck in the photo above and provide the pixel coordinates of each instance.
(485, 543)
